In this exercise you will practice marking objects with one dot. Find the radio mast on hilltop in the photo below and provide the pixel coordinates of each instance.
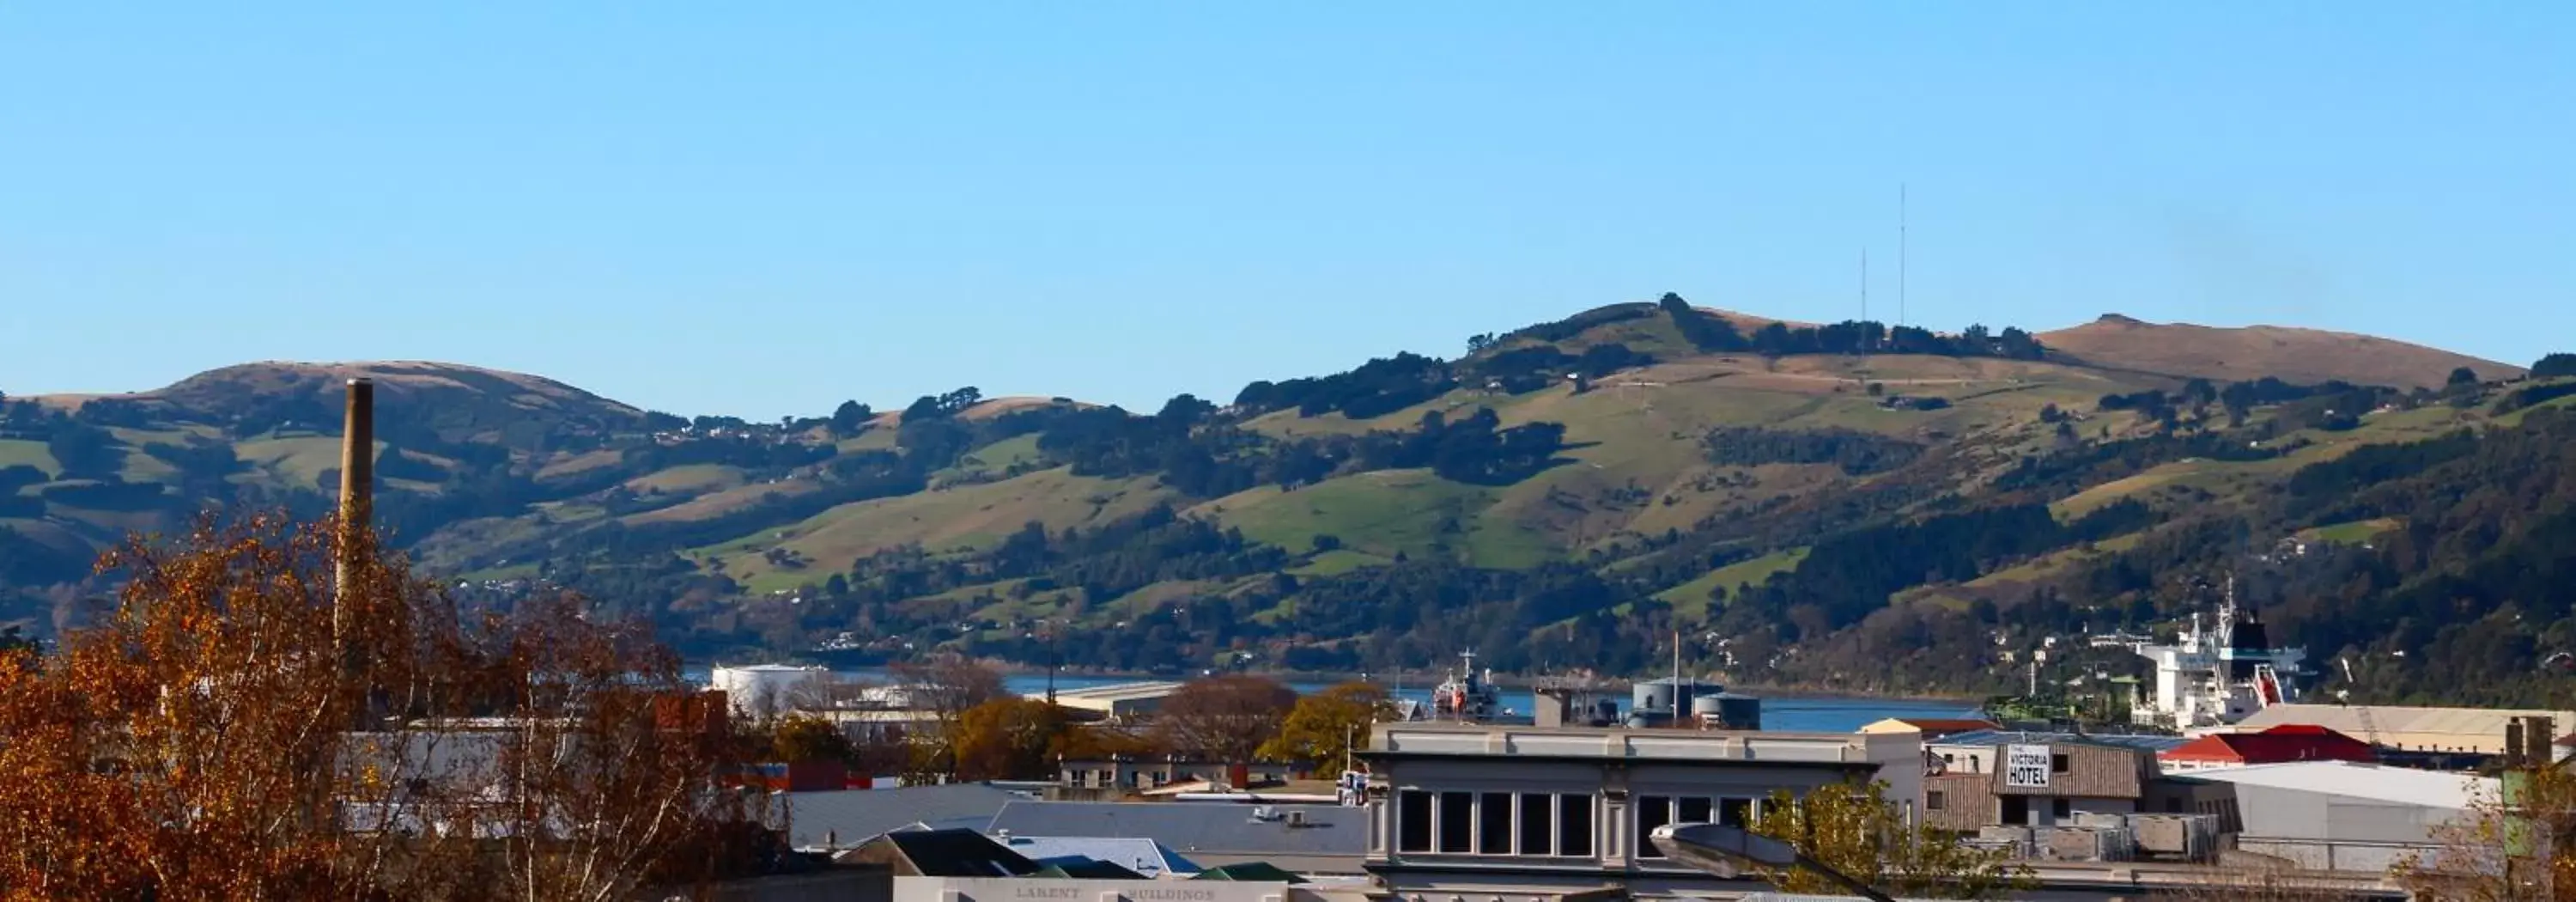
(1900, 253)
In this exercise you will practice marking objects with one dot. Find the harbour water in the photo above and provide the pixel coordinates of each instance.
(1827, 714)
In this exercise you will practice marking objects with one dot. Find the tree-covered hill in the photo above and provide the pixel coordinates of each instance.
(1849, 504)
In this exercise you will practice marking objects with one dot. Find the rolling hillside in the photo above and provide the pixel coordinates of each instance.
(2253, 352)
(1798, 495)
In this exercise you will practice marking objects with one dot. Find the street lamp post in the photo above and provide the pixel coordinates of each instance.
(1720, 849)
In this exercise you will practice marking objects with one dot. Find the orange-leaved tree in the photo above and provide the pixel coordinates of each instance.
(244, 725)
(1325, 727)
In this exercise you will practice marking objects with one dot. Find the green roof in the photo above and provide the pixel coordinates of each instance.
(1250, 872)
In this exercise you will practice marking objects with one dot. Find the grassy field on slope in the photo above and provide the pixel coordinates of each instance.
(965, 516)
(1385, 513)
(1691, 599)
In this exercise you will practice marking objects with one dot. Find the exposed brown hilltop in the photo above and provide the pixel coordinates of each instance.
(461, 402)
(2251, 352)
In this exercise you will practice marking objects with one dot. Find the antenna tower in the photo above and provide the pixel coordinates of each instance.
(1900, 253)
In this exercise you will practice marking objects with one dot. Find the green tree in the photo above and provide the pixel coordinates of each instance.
(2463, 376)
(2554, 366)
(847, 418)
(1323, 726)
(1852, 829)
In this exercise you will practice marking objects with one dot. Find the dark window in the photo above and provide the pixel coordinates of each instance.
(1457, 822)
(1693, 811)
(1413, 821)
(1538, 823)
(1735, 812)
(2057, 763)
(1932, 800)
(1574, 825)
(1652, 812)
(1494, 824)
(2173, 805)
(2060, 808)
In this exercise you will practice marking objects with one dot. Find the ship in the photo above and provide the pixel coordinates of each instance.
(1467, 696)
(2219, 673)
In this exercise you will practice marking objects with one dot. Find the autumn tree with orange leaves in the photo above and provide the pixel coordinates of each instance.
(240, 728)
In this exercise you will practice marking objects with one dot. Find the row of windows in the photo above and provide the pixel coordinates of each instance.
(1656, 811)
(1542, 824)
(1494, 823)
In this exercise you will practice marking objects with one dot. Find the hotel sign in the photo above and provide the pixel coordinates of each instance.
(2026, 766)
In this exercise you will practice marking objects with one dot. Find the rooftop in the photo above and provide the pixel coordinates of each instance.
(959, 853)
(2289, 742)
(845, 818)
(2405, 785)
(1947, 724)
(1397, 740)
(1191, 827)
(1119, 691)
(1144, 856)
(2020, 737)
(2480, 724)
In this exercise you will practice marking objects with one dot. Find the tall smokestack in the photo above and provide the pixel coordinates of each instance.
(357, 479)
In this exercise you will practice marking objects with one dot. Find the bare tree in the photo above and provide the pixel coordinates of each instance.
(949, 685)
(215, 737)
(1224, 718)
(2513, 843)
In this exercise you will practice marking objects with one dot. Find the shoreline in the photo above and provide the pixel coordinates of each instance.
(1620, 685)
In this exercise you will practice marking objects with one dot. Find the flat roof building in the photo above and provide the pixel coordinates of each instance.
(2477, 730)
(1483, 810)
(1121, 701)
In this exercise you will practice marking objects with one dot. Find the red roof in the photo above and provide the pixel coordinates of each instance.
(2281, 744)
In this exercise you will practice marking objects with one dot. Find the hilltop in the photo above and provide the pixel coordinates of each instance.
(2253, 352)
(1849, 505)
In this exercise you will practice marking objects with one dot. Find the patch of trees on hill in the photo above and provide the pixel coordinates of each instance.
(1220, 459)
(1857, 453)
(1712, 333)
(1374, 389)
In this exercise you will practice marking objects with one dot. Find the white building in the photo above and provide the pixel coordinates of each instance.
(766, 690)
(1477, 811)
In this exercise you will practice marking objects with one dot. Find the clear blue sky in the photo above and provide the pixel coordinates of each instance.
(766, 208)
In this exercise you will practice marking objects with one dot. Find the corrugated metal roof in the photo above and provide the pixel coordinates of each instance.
(1329, 830)
(849, 817)
(2404, 785)
(2474, 727)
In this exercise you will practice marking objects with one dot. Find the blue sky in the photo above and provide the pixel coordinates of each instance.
(766, 208)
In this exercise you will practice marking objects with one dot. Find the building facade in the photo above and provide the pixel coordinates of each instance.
(1461, 808)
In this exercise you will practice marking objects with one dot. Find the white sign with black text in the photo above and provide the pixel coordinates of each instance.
(2026, 766)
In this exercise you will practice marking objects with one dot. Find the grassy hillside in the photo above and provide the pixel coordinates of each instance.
(1566, 492)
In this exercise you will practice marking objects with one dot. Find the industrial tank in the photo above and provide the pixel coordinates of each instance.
(1668, 696)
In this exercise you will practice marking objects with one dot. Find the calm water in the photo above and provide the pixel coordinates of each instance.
(1824, 714)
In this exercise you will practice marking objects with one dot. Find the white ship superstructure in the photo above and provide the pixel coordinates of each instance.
(2219, 673)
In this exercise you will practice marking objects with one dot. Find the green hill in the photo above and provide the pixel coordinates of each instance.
(1839, 505)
